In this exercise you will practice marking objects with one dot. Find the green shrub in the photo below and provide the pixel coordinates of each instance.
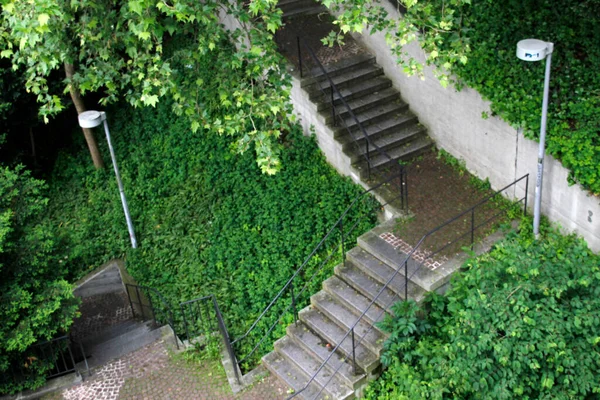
(520, 322)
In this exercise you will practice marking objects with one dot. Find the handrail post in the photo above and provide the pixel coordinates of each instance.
(368, 160)
(343, 247)
(87, 367)
(406, 279)
(526, 193)
(294, 303)
(127, 286)
(137, 291)
(185, 323)
(333, 109)
(225, 336)
(149, 294)
(299, 55)
(472, 227)
(353, 354)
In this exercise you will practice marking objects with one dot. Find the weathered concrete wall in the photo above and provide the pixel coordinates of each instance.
(490, 147)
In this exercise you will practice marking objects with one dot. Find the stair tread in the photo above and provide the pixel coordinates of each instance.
(371, 337)
(382, 272)
(424, 277)
(339, 67)
(110, 332)
(392, 125)
(383, 143)
(392, 110)
(353, 299)
(365, 284)
(398, 153)
(292, 376)
(331, 332)
(308, 10)
(309, 365)
(387, 95)
(361, 73)
(359, 89)
(317, 346)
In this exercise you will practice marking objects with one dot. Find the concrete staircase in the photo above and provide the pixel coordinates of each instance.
(386, 118)
(333, 310)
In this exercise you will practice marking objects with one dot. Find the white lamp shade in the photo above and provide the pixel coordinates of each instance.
(532, 49)
(91, 119)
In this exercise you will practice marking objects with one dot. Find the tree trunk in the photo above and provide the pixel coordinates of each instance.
(80, 107)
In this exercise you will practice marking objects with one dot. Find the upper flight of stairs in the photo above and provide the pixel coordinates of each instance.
(378, 107)
(336, 308)
(292, 8)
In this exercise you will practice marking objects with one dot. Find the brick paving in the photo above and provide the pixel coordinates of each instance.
(419, 255)
(154, 373)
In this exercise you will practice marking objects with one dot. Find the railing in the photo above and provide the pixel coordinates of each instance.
(470, 234)
(198, 316)
(156, 307)
(293, 290)
(54, 357)
(370, 147)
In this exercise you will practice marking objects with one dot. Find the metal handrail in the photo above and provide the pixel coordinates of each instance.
(406, 280)
(289, 283)
(334, 89)
(168, 314)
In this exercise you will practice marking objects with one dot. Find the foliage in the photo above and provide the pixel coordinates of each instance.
(36, 301)
(207, 222)
(485, 33)
(521, 321)
(117, 49)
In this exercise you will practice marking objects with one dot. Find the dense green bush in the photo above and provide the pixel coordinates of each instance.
(36, 301)
(492, 29)
(522, 321)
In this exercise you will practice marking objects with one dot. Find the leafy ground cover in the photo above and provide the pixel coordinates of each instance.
(521, 321)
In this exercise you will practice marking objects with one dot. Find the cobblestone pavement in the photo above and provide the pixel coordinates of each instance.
(153, 373)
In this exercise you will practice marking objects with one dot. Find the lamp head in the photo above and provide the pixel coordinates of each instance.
(533, 49)
(91, 119)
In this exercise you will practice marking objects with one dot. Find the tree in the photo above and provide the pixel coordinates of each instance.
(117, 50)
(36, 301)
(438, 26)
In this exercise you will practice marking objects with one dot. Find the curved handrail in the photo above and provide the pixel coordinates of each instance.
(407, 278)
(289, 283)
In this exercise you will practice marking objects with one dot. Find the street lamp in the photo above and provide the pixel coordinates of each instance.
(536, 50)
(91, 119)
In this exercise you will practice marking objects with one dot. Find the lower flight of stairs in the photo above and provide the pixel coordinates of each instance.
(333, 310)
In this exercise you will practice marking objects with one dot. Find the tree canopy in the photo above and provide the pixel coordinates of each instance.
(117, 51)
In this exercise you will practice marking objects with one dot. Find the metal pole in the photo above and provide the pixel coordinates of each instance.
(353, 354)
(472, 227)
(121, 190)
(541, 150)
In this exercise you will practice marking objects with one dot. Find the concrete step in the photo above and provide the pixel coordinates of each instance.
(392, 259)
(372, 116)
(353, 300)
(303, 360)
(122, 345)
(333, 334)
(347, 64)
(293, 377)
(405, 152)
(384, 144)
(345, 80)
(405, 125)
(367, 286)
(356, 91)
(337, 364)
(362, 104)
(371, 337)
(382, 272)
(110, 333)
(292, 12)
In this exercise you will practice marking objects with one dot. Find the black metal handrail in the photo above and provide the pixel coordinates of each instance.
(201, 321)
(345, 232)
(55, 356)
(407, 278)
(402, 187)
(165, 313)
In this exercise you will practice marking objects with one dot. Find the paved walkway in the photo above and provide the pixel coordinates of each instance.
(152, 372)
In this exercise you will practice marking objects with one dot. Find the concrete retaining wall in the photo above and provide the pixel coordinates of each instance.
(490, 147)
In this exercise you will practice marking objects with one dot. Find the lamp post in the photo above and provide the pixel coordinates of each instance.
(91, 119)
(536, 50)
